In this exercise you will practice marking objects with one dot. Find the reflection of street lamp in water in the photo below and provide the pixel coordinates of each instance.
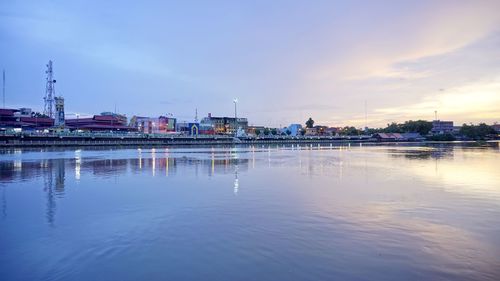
(236, 181)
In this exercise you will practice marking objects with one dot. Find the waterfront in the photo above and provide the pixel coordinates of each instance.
(310, 212)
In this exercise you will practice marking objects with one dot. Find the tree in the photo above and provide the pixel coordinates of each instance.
(257, 132)
(420, 126)
(349, 131)
(273, 132)
(309, 123)
(288, 132)
(372, 131)
(393, 128)
(38, 115)
(266, 131)
(476, 132)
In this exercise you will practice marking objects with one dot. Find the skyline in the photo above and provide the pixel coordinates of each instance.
(284, 61)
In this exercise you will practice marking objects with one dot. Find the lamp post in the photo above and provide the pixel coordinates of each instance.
(77, 122)
(235, 118)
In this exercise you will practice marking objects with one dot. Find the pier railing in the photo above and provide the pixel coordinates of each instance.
(123, 139)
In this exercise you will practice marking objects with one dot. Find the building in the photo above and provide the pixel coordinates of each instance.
(59, 117)
(389, 137)
(321, 130)
(442, 127)
(106, 121)
(311, 131)
(148, 125)
(24, 119)
(398, 137)
(255, 130)
(295, 129)
(496, 127)
(332, 131)
(121, 117)
(206, 129)
(413, 137)
(225, 125)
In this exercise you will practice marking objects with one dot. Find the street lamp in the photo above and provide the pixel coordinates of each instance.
(77, 121)
(235, 117)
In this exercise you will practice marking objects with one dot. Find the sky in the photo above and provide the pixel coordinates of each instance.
(340, 62)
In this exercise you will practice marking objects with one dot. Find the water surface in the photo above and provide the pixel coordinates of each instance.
(350, 212)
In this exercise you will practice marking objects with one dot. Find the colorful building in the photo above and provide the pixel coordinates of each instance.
(295, 129)
(59, 117)
(255, 130)
(148, 125)
(225, 125)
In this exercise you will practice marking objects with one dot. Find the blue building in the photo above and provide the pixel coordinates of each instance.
(295, 129)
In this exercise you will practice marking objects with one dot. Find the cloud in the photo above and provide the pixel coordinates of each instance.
(436, 30)
(479, 101)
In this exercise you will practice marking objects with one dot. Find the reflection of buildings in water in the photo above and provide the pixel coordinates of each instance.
(54, 183)
(140, 157)
(212, 166)
(227, 166)
(153, 161)
(423, 154)
(105, 167)
(59, 176)
(17, 170)
(53, 171)
(168, 165)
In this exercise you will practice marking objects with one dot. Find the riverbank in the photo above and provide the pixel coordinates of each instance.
(55, 140)
(126, 140)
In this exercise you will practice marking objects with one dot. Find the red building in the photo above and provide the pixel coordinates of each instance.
(103, 122)
(23, 119)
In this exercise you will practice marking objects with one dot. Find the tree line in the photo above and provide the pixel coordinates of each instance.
(423, 127)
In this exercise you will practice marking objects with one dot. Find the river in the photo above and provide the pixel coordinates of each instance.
(328, 212)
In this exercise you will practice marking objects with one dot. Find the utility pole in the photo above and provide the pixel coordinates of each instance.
(366, 126)
(3, 88)
(435, 115)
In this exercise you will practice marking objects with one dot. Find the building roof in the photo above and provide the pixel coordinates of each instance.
(412, 135)
(8, 111)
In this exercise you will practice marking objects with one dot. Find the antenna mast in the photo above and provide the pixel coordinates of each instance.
(3, 88)
(49, 92)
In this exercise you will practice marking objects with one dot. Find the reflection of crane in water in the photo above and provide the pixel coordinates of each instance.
(4, 202)
(48, 188)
